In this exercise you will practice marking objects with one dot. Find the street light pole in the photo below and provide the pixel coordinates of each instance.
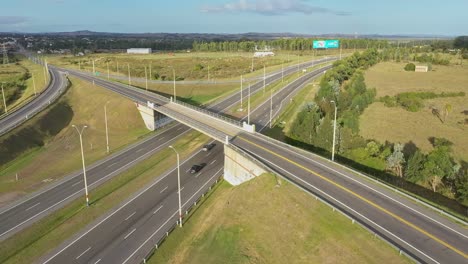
(94, 69)
(83, 161)
(263, 79)
(178, 185)
(334, 131)
(4, 100)
(34, 83)
(248, 108)
(242, 82)
(175, 95)
(107, 131)
(271, 106)
(146, 79)
(129, 78)
(108, 73)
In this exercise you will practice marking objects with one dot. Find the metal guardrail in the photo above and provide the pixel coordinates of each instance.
(210, 113)
(158, 241)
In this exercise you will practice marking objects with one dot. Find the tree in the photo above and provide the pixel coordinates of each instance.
(435, 181)
(396, 160)
(448, 109)
(373, 148)
(410, 67)
(438, 164)
(415, 166)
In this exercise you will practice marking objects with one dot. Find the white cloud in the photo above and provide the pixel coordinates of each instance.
(270, 7)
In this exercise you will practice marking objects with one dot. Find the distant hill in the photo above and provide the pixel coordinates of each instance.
(217, 36)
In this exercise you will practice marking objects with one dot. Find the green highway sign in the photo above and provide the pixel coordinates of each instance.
(326, 44)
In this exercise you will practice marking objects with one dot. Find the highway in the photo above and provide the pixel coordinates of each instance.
(34, 207)
(411, 227)
(56, 87)
(129, 232)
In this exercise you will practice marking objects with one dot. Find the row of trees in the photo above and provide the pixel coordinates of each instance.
(345, 85)
(294, 44)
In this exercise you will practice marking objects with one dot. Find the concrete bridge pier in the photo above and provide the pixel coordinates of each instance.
(238, 167)
(153, 119)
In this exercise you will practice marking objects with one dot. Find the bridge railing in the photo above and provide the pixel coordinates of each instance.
(210, 113)
(216, 134)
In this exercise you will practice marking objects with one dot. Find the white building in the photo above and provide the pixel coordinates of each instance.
(139, 51)
(258, 54)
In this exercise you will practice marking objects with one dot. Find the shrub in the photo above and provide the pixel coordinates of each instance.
(410, 67)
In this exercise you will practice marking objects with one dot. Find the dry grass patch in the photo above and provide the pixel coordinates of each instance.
(390, 78)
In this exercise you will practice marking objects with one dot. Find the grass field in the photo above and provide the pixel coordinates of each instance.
(390, 79)
(259, 222)
(188, 66)
(60, 154)
(11, 73)
(38, 239)
(398, 125)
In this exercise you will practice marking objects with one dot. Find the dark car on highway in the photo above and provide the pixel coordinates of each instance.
(197, 167)
(208, 147)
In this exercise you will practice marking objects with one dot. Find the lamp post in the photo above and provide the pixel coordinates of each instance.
(248, 108)
(334, 132)
(107, 131)
(178, 185)
(4, 100)
(129, 77)
(241, 100)
(271, 106)
(34, 83)
(175, 96)
(80, 132)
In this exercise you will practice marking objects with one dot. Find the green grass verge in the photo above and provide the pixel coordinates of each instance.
(260, 222)
(36, 240)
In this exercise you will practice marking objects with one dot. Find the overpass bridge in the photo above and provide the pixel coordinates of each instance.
(412, 228)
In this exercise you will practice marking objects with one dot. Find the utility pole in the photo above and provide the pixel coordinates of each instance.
(4, 100)
(94, 69)
(264, 79)
(83, 160)
(151, 76)
(334, 132)
(34, 83)
(271, 106)
(45, 76)
(208, 73)
(108, 73)
(175, 96)
(117, 67)
(241, 99)
(178, 185)
(146, 79)
(107, 131)
(282, 72)
(248, 108)
(129, 78)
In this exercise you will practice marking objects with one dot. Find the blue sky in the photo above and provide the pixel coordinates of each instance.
(238, 16)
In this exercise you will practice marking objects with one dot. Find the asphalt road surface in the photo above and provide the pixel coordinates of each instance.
(25, 212)
(131, 230)
(418, 231)
(57, 86)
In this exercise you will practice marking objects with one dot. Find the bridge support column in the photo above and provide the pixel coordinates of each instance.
(153, 119)
(238, 168)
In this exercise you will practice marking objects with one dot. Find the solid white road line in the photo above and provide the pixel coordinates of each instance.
(350, 209)
(114, 163)
(168, 219)
(158, 209)
(369, 187)
(76, 183)
(83, 253)
(129, 233)
(128, 217)
(164, 189)
(120, 208)
(32, 206)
